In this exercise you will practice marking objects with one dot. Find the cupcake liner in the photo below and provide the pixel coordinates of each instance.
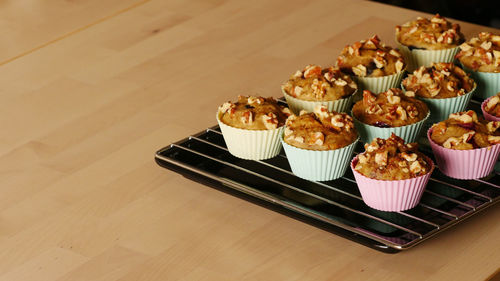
(378, 84)
(486, 115)
(251, 144)
(391, 195)
(296, 105)
(417, 57)
(318, 165)
(409, 133)
(488, 83)
(441, 108)
(465, 164)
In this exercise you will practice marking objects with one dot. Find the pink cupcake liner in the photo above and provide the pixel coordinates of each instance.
(465, 164)
(486, 115)
(391, 196)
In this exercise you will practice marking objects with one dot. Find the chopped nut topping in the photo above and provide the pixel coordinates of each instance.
(257, 100)
(297, 74)
(399, 66)
(359, 70)
(312, 70)
(288, 132)
(270, 121)
(401, 112)
(247, 117)
(493, 126)
(486, 45)
(297, 90)
(451, 141)
(317, 138)
(410, 94)
(409, 157)
(494, 139)
(492, 102)
(321, 111)
(226, 106)
(381, 158)
(464, 117)
(374, 109)
(362, 158)
(415, 167)
(337, 121)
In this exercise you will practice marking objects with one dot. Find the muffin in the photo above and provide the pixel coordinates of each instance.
(373, 65)
(465, 146)
(491, 108)
(319, 144)
(444, 87)
(314, 86)
(252, 126)
(481, 57)
(378, 116)
(425, 41)
(390, 174)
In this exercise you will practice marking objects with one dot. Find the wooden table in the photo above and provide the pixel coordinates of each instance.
(91, 89)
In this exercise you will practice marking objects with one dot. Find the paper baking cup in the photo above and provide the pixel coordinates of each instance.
(251, 144)
(391, 195)
(378, 84)
(417, 57)
(465, 164)
(409, 133)
(486, 115)
(296, 105)
(488, 83)
(319, 165)
(442, 108)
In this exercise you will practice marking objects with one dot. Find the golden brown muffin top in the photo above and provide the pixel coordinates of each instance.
(434, 34)
(389, 109)
(463, 130)
(316, 84)
(253, 113)
(492, 106)
(370, 58)
(439, 81)
(481, 53)
(392, 159)
(320, 130)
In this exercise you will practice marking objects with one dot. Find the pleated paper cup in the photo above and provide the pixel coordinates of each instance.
(488, 83)
(251, 144)
(410, 133)
(442, 108)
(465, 164)
(378, 84)
(416, 58)
(319, 165)
(391, 195)
(486, 115)
(296, 105)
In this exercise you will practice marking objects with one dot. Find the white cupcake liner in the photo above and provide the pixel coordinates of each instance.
(488, 83)
(410, 133)
(319, 165)
(251, 144)
(296, 105)
(418, 57)
(391, 195)
(378, 84)
(441, 108)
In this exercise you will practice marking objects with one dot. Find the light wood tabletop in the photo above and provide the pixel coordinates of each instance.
(91, 89)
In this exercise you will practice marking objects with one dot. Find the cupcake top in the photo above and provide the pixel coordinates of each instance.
(316, 84)
(370, 58)
(492, 106)
(392, 159)
(439, 81)
(253, 113)
(320, 130)
(463, 130)
(434, 34)
(481, 53)
(389, 109)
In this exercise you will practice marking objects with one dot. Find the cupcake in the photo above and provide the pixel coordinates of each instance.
(252, 126)
(319, 144)
(425, 41)
(373, 65)
(444, 87)
(481, 57)
(391, 175)
(378, 116)
(314, 86)
(465, 147)
(491, 108)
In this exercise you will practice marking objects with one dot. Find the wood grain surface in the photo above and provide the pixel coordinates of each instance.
(91, 89)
